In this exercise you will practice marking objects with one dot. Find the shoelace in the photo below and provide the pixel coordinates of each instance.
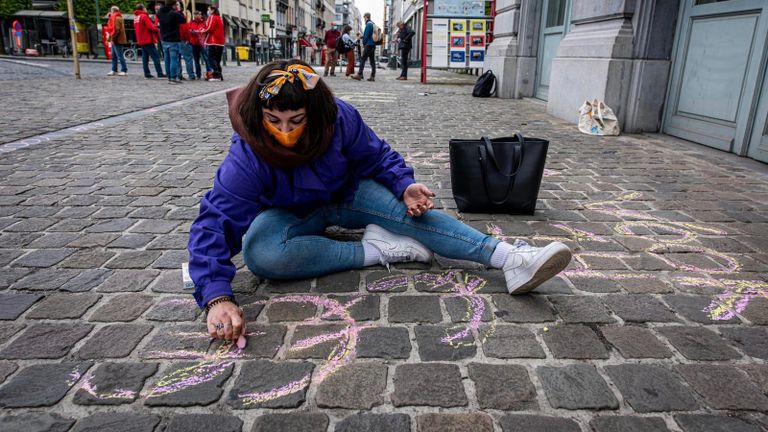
(386, 256)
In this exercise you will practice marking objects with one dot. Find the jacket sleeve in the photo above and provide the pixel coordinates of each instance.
(368, 32)
(226, 213)
(372, 156)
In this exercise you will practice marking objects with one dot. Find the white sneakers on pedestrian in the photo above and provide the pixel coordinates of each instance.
(527, 267)
(111, 73)
(395, 248)
(122, 74)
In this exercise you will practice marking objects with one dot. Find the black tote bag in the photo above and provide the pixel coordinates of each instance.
(500, 175)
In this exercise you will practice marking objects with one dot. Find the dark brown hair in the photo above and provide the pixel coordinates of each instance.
(319, 103)
(214, 9)
(347, 29)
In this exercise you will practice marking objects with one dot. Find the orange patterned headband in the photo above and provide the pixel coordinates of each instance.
(278, 78)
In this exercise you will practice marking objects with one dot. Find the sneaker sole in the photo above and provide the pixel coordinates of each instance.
(553, 264)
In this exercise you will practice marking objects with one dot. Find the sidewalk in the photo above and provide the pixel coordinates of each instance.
(658, 324)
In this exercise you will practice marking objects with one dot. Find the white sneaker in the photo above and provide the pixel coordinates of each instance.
(528, 267)
(395, 248)
(122, 74)
(111, 73)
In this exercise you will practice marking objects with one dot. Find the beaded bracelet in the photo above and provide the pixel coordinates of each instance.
(218, 300)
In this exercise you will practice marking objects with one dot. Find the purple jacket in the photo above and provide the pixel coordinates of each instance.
(245, 185)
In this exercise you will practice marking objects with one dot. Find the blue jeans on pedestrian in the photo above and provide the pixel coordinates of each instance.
(186, 54)
(171, 52)
(281, 245)
(148, 51)
(117, 54)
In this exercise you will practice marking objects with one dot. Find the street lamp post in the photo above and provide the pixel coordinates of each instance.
(73, 37)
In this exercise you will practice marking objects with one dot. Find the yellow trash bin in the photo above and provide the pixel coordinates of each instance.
(242, 52)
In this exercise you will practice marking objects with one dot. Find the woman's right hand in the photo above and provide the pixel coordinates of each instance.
(232, 319)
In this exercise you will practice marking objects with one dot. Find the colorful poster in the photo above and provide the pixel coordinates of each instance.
(458, 42)
(477, 41)
(439, 43)
(460, 8)
(458, 59)
(477, 26)
(476, 58)
(459, 27)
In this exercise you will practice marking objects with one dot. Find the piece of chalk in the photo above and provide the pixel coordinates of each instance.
(186, 278)
(241, 342)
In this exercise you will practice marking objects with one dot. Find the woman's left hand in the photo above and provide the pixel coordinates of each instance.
(418, 199)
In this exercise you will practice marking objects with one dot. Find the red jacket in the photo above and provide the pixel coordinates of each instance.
(214, 30)
(146, 31)
(156, 22)
(186, 34)
(330, 38)
(197, 26)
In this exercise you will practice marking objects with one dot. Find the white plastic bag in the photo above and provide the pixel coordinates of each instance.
(597, 118)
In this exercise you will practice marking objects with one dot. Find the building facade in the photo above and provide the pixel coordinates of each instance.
(694, 69)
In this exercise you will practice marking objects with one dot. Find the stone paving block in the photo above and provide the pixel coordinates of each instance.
(467, 308)
(693, 308)
(41, 384)
(9, 330)
(113, 383)
(576, 386)
(204, 423)
(519, 309)
(93, 240)
(6, 369)
(442, 282)
(509, 341)
(383, 281)
(189, 384)
(358, 386)
(266, 384)
(282, 311)
(698, 343)
(492, 282)
(128, 280)
(384, 342)
(363, 308)
(758, 373)
(174, 308)
(646, 286)
(132, 260)
(503, 387)
(635, 342)
(31, 225)
(172, 259)
(713, 423)
(283, 287)
(102, 343)
(46, 341)
(132, 241)
(35, 422)
(535, 423)
(155, 226)
(117, 422)
(252, 306)
(244, 282)
(169, 281)
(186, 341)
(63, 306)
(581, 309)
(87, 258)
(757, 311)
(628, 424)
(639, 308)
(724, 387)
(12, 305)
(422, 309)
(294, 422)
(86, 280)
(574, 341)
(441, 343)
(430, 384)
(305, 345)
(595, 285)
(348, 281)
(9, 277)
(753, 341)
(53, 240)
(46, 279)
(468, 422)
(651, 388)
(374, 423)
(123, 307)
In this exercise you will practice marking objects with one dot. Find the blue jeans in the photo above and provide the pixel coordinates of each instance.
(281, 245)
(148, 51)
(186, 54)
(171, 52)
(117, 54)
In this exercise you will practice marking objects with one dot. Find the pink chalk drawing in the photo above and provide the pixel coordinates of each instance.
(74, 377)
(428, 160)
(190, 376)
(93, 390)
(672, 241)
(388, 283)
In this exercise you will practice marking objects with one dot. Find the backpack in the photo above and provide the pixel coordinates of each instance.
(376, 35)
(485, 85)
(341, 46)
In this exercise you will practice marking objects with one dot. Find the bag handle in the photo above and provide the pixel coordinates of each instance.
(487, 148)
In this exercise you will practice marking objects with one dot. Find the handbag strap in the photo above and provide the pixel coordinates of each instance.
(486, 152)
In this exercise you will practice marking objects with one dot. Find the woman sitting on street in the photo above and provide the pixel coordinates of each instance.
(301, 160)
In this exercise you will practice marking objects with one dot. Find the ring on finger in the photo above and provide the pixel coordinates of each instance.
(219, 326)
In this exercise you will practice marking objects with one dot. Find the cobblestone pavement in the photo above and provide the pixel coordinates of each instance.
(659, 323)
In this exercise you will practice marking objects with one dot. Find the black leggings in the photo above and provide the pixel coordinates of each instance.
(214, 56)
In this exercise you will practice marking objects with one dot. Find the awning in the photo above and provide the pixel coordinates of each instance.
(239, 23)
(229, 21)
(41, 14)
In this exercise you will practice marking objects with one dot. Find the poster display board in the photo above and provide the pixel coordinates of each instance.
(460, 8)
(458, 43)
(476, 32)
(439, 43)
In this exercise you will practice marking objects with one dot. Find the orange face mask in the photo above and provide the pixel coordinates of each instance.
(286, 139)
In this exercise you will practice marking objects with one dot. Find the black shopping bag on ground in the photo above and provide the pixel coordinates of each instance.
(500, 175)
(485, 86)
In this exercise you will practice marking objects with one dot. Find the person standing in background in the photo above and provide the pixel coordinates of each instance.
(186, 48)
(214, 32)
(369, 50)
(170, 33)
(331, 55)
(116, 35)
(198, 48)
(156, 22)
(404, 44)
(349, 50)
(146, 35)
